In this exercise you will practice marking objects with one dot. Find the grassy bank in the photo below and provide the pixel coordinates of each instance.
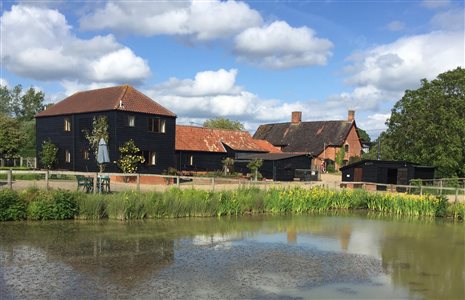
(35, 204)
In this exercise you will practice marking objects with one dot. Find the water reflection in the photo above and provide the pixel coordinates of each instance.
(350, 256)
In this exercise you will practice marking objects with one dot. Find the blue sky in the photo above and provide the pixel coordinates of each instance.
(251, 61)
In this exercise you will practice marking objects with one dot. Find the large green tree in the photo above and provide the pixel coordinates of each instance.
(21, 106)
(427, 125)
(223, 123)
(10, 137)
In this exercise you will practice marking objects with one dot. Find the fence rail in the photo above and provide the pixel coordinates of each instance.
(137, 180)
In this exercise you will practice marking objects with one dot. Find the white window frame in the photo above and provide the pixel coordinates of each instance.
(67, 124)
(67, 156)
(132, 121)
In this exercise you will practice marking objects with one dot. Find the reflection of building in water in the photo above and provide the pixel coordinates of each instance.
(124, 262)
(344, 237)
(291, 235)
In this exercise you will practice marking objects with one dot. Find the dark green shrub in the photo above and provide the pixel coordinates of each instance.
(55, 205)
(11, 206)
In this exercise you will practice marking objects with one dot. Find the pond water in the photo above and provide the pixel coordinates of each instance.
(320, 256)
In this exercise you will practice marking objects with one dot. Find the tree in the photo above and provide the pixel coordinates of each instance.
(340, 155)
(228, 164)
(22, 106)
(130, 157)
(99, 131)
(253, 166)
(363, 135)
(48, 155)
(10, 136)
(223, 123)
(427, 126)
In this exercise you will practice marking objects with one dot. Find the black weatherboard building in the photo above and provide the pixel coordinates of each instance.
(386, 172)
(276, 166)
(130, 115)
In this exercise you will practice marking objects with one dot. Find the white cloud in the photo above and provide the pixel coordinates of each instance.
(4, 82)
(199, 20)
(401, 64)
(281, 46)
(396, 26)
(449, 20)
(205, 83)
(432, 4)
(38, 43)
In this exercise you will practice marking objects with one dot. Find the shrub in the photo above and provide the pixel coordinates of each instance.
(11, 206)
(55, 205)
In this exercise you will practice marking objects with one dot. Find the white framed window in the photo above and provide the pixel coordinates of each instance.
(67, 156)
(131, 121)
(190, 160)
(150, 158)
(157, 125)
(67, 124)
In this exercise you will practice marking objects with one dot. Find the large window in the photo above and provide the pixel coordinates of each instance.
(131, 121)
(67, 156)
(67, 124)
(156, 125)
(150, 157)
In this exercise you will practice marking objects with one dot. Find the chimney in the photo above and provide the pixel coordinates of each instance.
(296, 117)
(351, 115)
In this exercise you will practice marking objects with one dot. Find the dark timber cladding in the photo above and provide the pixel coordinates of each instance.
(384, 171)
(276, 166)
(130, 115)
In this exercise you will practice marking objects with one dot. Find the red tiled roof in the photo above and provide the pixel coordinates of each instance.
(264, 144)
(192, 138)
(106, 99)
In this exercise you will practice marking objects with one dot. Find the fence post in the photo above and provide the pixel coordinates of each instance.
(138, 182)
(456, 195)
(10, 179)
(421, 190)
(35, 162)
(440, 187)
(47, 185)
(213, 183)
(177, 181)
(95, 183)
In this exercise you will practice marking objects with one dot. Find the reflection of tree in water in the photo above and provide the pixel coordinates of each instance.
(428, 259)
(111, 256)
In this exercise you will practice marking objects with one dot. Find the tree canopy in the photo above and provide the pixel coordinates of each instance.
(363, 135)
(19, 107)
(427, 126)
(223, 123)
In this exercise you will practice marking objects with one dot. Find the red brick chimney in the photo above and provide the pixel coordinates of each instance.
(296, 117)
(351, 115)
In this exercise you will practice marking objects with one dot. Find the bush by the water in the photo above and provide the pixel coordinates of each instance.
(38, 204)
(11, 206)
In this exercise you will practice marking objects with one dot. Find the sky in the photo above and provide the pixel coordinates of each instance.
(249, 61)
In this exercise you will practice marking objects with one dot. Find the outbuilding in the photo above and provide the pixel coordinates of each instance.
(385, 172)
(276, 166)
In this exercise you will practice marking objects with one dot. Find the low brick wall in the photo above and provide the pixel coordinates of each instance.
(143, 180)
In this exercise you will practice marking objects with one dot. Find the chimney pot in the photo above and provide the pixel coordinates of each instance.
(351, 115)
(296, 117)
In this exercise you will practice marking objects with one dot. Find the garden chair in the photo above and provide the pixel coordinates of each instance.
(85, 183)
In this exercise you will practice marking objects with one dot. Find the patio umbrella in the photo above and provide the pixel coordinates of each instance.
(102, 153)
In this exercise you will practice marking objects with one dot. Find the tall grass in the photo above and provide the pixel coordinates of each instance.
(176, 203)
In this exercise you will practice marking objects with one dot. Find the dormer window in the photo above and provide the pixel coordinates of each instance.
(67, 124)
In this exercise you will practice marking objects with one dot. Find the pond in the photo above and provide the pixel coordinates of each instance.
(313, 256)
